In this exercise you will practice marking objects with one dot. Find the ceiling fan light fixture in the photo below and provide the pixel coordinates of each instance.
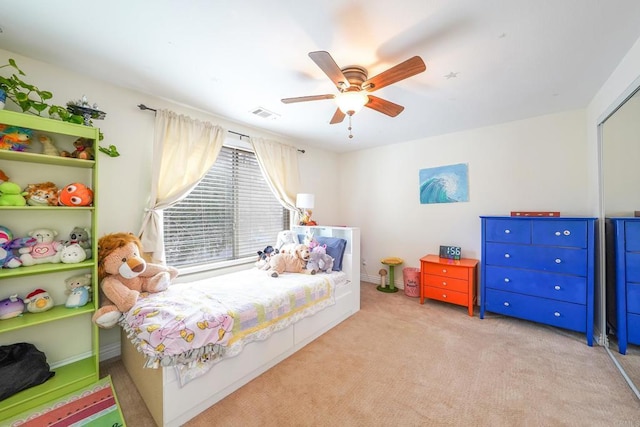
(351, 102)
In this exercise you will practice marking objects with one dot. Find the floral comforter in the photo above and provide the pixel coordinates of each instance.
(207, 320)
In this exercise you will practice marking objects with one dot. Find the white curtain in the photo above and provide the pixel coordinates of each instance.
(279, 165)
(184, 149)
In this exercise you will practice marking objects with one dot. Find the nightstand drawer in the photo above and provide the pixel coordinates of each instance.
(560, 287)
(459, 285)
(555, 313)
(557, 260)
(447, 296)
(560, 233)
(508, 231)
(446, 270)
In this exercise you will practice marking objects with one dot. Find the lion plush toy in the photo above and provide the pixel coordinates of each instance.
(123, 275)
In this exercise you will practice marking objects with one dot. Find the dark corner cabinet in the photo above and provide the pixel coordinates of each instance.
(540, 269)
(623, 280)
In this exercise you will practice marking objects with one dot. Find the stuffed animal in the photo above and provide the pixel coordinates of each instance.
(11, 307)
(263, 256)
(41, 194)
(7, 257)
(45, 250)
(286, 237)
(81, 236)
(123, 275)
(83, 150)
(48, 147)
(75, 194)
(319, 260)
(38, 301)
(72, 254)
(14, 138)
(294, 262)
(11, 194)
(78, 290)
(3, 176)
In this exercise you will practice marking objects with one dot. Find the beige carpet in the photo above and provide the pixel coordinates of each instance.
(399, 363)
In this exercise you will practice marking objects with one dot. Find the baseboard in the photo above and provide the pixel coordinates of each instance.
(375, 279)
(109, 351)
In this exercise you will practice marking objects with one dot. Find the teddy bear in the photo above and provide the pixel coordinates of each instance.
(83, 150)
(123, 275)
(11, 194)
(81, 236)
(45, 250)
(41, 194)
(78, 290)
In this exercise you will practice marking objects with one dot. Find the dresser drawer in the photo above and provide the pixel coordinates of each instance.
(445, 270)
(446, 295)
(560, 287)
(508, 231)
(633, 328)
(560, 233)
(460, 285)
(633, 298)
(632, 236)
(542, 310)
(632, 261)
(556, 260)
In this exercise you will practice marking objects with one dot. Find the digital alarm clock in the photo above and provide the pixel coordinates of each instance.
(450, 252)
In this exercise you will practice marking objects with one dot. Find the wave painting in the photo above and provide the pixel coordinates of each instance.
(444, 184)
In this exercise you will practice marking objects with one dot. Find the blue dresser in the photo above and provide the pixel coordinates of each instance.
(623, 277)
(540, 269)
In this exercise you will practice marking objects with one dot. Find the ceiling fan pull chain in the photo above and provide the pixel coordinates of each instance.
(350, 134)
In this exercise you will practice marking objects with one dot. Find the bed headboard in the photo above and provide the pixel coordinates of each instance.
(351, 260)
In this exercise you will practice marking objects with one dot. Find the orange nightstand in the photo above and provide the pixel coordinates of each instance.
(452, 281)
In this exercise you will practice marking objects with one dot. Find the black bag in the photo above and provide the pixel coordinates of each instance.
(22, 366)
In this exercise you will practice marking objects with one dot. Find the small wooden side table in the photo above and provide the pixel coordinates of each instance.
(452, 281)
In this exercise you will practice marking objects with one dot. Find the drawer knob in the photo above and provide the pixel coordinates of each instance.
(567, 233)
(444, 283)
(444, 295)
(507, 256)
(556, 287)
(558, 260)
(444, 270)
(507, 280)
(556, 314)
(507, 231)
(506, 304)
(557, 233)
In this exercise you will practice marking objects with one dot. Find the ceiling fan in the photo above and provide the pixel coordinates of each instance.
(355, 87)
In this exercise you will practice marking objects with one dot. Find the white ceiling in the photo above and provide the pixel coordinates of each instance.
(512, 59)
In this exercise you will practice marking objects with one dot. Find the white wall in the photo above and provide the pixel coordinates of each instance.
(530, 165)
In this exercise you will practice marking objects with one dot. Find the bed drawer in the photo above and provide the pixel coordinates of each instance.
(447, 295)
(560, 287)
(441, 282)
(551, 312)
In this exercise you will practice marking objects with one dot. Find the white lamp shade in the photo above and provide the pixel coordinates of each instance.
(305, 200)
(351, 101)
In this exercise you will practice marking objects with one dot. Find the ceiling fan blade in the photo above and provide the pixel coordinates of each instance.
(307, 98)
(406, 69)
(330, 68)
(338, 117)
(384, 106)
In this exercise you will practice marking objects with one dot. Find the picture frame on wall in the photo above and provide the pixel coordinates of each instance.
(444, 184)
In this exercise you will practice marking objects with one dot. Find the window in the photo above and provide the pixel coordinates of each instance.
(231, 214)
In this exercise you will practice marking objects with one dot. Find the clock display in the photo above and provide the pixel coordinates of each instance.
(450, 252)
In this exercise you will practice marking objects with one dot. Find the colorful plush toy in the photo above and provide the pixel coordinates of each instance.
(123, 275)
(38, 301)
(83, 150)
(42, 194)
(45, 250)
(11, 307)
(72, 254)
(11, 194)
(8, 246)
(81, 236)
(14, 138)
(320, 260)
(264, 255)
(78, 290)
(75, 194)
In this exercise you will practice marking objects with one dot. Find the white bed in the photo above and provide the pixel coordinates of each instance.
(172, 404)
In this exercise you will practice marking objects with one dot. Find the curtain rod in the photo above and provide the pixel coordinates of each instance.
(241, 135)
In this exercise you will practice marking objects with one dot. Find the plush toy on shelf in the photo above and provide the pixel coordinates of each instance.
(3, 176)
(41, 194)
(14, 138)
(78, 290)
(75, 194)
(11, 307)
(11, 194)
(9, 245)
(48, 147)
(81, 236)
(122, 282)
(45, 250)
(83, 150)
(72, 254)
(38, 301)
